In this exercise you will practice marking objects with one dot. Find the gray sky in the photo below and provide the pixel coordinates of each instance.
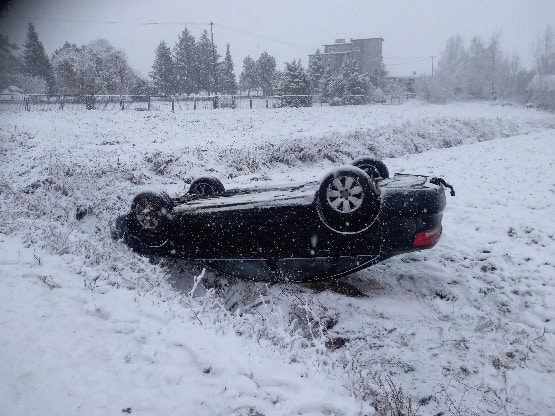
(287, 29)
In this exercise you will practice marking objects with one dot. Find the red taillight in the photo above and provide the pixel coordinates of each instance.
(427, 237)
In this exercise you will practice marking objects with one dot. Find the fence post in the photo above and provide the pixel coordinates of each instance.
(148, 105)
(194, 104)
(250, 103)
(121, 103)
(173, 108)
(266, 103)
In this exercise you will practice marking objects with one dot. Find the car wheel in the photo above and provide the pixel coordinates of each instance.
(347, 200)
(206, 186)
(375, 168)
(150, 217)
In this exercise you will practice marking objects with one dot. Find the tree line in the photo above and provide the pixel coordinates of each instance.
(480, 70)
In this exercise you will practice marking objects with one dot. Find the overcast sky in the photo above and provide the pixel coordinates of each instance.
(412, 30)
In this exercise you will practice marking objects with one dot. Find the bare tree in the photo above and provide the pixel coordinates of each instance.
(542, 85)
(543, 51)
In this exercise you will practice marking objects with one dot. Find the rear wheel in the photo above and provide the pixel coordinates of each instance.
(375, 168)
(206, 186)
(347, 200)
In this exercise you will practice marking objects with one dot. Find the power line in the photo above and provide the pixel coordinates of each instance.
(257, 35)
(156, 23)
(109, 21)
(406, 57)
(406, 63)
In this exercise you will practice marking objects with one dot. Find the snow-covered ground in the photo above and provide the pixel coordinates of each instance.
(88, 327)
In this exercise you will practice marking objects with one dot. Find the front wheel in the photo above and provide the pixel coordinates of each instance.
(150, 216)
(347, 200)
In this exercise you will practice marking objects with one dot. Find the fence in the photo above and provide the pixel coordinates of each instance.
(138, 102)
(39, 102)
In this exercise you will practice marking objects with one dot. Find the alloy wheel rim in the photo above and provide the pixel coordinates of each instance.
(344, 194)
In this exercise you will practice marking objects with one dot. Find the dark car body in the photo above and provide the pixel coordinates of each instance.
(285, 232)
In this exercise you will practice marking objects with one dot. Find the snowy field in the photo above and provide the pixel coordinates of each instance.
(89, 328)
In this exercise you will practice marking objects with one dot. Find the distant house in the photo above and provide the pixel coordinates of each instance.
(368, 52)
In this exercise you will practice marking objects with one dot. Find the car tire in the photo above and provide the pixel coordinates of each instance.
(348, 200)
(150, 216)
(375, 168)
(206, 186)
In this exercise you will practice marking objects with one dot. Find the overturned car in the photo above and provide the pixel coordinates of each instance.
(353, 218)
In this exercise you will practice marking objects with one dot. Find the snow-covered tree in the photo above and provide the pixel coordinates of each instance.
(206, 58)
(452, 65)
(543, 50)
(163, 71)
(316, 71)
(226, 77)
(266, 72)
(186, 64)
(96, 68)
(141, 87)
(65, 65)
(346, 85)
(476, 74)
(496, 65)
(542, 86)
(117, 77)
(483, 71)
(294, 85)
(249, 77)
(35, 60)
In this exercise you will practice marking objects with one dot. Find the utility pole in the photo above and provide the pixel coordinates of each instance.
(432, 65)
(214, 58)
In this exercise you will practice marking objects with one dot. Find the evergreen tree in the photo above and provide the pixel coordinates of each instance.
(206, 58)
(294, 85)
(35, 60)
(316, 71)
(163, 71)
(186, 65)
(347, 85)
(326, 87)
(356, 85)
(249, 77)
(266, 72)
(226, 77)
